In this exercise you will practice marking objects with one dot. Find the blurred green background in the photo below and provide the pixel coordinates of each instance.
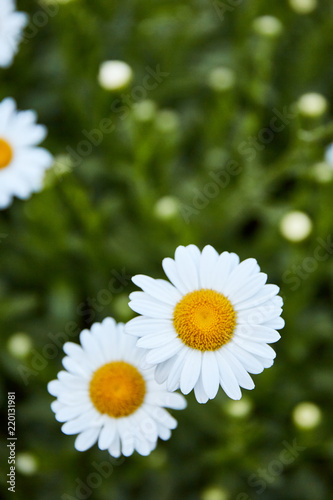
(219, 152)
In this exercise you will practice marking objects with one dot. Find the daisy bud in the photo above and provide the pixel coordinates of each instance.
(268, 26)
(312, 105)
(303, 6)
(19, 345)
(26, 463)
(221, 79)
(166, 208)
(114, 75)
(306, 415)
(296, 226)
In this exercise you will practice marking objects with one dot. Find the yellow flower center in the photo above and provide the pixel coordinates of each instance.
(204, 320)
(6, 154)
(117, 389)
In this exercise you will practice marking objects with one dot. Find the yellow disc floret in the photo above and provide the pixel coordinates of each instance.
(204, 320)
(6, 153)
(117, 389)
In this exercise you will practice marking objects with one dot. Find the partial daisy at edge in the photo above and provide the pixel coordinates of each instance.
(106, 394)
(211, 325)
(22, 163)
(11, 26)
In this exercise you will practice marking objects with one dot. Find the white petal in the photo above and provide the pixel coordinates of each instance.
(159, 289)
(162, 370)
(156, 340)
(240, 275)
(163, 432)
(151, 307)
(257, 333)
(143, 447)
(248, 360)
(107, 434)
(242, 376)
(140, 326)
(107, 341)
(209, 258)
(146, 424)
(109, 324)
(186, 268)
(191, 370)
(199, 392)
(76, 368)
(167, 399)
(70, 397)
(53, 387)
(69, 412)
(114, 448)
(173, 380)
(266, 362)
(87, 439)
(163, 353)
(266, 293)
(248, 288)
(126, 435)
(163, 417)
(275, 323)
(258, 315)
(195, 254)
(170, 269)
(72, 381)
(222, 271)
(255, 348)
(234, 261)
(75, 352)
(228, 380)
(56, 406)
(210, 374)
(81, 423)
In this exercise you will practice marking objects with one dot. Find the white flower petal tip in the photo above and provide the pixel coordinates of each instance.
(12, 24)
(211, 325)
(88, 401)
(22, 163)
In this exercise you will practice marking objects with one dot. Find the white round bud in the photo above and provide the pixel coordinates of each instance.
(312, 105)
(26, 463)
(303, 6)
(296, 226)
(19, 345)
(114, 75)
(306, 415)
(221, 79)
(269, 26)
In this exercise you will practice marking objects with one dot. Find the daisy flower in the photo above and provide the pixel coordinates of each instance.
(211, 326)
(11, 26)
(22, 164)
(106, 395)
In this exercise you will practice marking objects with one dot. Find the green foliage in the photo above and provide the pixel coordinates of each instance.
(196, 158)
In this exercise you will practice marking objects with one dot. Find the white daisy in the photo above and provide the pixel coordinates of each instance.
(22, 164)
(106, 395)
(211, 326)
(11, 26)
